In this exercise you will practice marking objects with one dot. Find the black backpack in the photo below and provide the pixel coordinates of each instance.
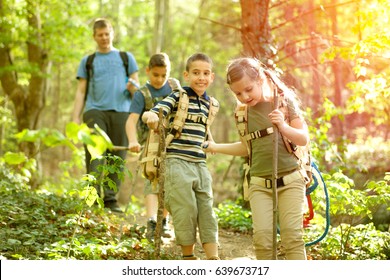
(89, 67)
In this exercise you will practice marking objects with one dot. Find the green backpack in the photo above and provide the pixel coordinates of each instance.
(142, 128)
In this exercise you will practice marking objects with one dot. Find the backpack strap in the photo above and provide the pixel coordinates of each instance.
(180, 117)
(125, 60)
(213, 110)
(241, 117)
(89, 67)
(147, 96)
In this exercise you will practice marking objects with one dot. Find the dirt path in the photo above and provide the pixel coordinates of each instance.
(232, 245)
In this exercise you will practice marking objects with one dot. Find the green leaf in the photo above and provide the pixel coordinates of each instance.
(90, 195)
(54, 138)
(104, 136)
(28, 135)
(85, 137)
(98, 147)
(14, 158)
(75, 132)
(11, 241)
(72, 130)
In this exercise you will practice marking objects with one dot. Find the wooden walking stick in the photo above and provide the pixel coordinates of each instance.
(161, 179)
(275, 181)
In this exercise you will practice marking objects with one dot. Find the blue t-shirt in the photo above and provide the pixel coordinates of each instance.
(107, 87)
(138, 102)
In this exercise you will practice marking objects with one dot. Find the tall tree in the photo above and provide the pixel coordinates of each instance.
(160, 22)
(255, 30)
(28, 100)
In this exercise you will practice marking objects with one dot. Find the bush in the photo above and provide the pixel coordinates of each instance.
(233, 217)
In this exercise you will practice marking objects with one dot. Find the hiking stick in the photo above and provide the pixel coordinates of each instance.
(275, 180)
(119, 148)
(123, 148)
(161, 179)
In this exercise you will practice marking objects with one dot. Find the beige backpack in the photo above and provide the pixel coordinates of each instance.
(151, 155)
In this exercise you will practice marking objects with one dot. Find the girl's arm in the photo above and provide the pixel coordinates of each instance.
(234, 149)
(297, 132)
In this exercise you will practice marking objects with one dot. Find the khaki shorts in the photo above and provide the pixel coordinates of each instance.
(189, 199)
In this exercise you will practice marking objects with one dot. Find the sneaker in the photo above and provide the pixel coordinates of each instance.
(150, 229)
(113, 206)
(190, 258)
(165, 229)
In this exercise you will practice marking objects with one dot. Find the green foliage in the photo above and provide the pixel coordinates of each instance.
(233, 216)
(369, 57)
(45, 226)
(41, 225)
(16, 168)
(370, 96)
(367, 158)
(352, 205)
(115, 165)
(347, 242)
(328, 154)
(346, 201)
(12, 177)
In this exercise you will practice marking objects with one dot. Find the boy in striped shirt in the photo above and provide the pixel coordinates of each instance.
(188, 182)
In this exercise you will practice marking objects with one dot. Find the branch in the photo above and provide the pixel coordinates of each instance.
(321, 7)
(221, 23)
(278, 4)
(315, 63)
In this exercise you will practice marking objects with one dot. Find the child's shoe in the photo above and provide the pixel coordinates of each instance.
(190, 258)
(165, 229)
(150, 229)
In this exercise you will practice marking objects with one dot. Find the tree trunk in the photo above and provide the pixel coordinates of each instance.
(255, 30)
(161, 10)
(28, 100)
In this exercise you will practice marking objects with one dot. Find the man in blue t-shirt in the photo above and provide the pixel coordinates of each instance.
(107, 101)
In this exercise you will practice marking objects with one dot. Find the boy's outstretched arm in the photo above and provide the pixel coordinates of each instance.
(151, 119)
(131, 132)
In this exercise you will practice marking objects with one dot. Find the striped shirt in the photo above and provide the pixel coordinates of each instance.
(188, 145)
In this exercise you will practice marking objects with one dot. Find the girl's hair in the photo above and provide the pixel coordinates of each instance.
(101, 23)
(255, 69)
(197, 57)
(159, 60)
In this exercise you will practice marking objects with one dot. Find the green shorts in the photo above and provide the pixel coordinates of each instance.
(189, 199)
